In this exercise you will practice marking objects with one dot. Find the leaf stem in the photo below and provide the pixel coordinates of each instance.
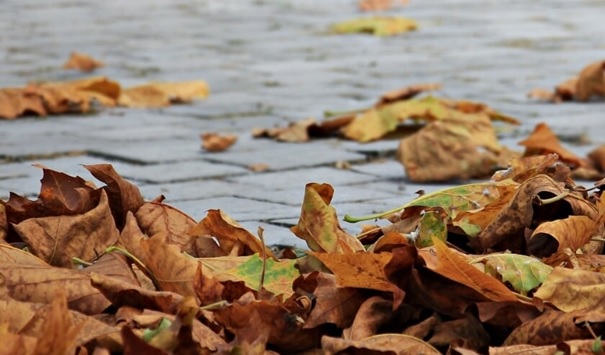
(352, 219)
(78, 261)
(552, 199)
(264, 256)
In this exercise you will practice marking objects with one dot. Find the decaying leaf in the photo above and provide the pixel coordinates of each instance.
(318, 224)
(590, 82)
(82, 62)
(445, 150)
(214, 142)
(544, 141)
(378, 26)
(79, 95)
(161, 94)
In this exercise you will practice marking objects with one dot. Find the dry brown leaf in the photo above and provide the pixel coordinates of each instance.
(12, 255)
(58, 330)
(232, 238)
(573, 290)
(3, 222)
(578, 347)
(82, 62)
(295, 133)
(58, 239)
(318, 224)
(123, 195)
(362, 270)
(214, 142)
(374, 313)
(40, 283)
(597, 156)
(250, 319)
(544, 95)
(171, 270)
(549, 328)
(506, 314)
(406, 93)
(544, 141)
(16, 102)
(115, 266)
(522, 212)
(521, 169)
(469, 333)
(161, 94)
(551, 240)
(444, 150)
(336, 305)
(133, 345)
(60, 194)
(456, 268)
(399, 344)
(159, 218)
(591, 81)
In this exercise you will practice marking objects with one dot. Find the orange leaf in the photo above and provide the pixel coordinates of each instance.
(82, 62)
(544, 141)
(455, 267)
(214, 142)
(362, 270)
(591, 81)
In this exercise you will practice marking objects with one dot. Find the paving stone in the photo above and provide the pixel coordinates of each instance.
(288, 155)
(174, 172)
(299, 178)
(295, 196)
(192, 190)
(239, 209)
(275, 235)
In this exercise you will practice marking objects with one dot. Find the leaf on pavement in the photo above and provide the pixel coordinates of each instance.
(161, 94)
(214, 142)
(378, 26)
(318, 224)
(544, 141)
(591, 81)
(123, 195)
(456, 268)
(406, 93)
(522, 272)
(295, 132)
(445, 150)
(82, 62)
(377, 5)
(58, 239)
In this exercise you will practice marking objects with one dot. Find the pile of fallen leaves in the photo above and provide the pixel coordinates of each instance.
(506, 266)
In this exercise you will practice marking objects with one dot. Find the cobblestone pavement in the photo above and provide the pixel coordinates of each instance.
(270, 62)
